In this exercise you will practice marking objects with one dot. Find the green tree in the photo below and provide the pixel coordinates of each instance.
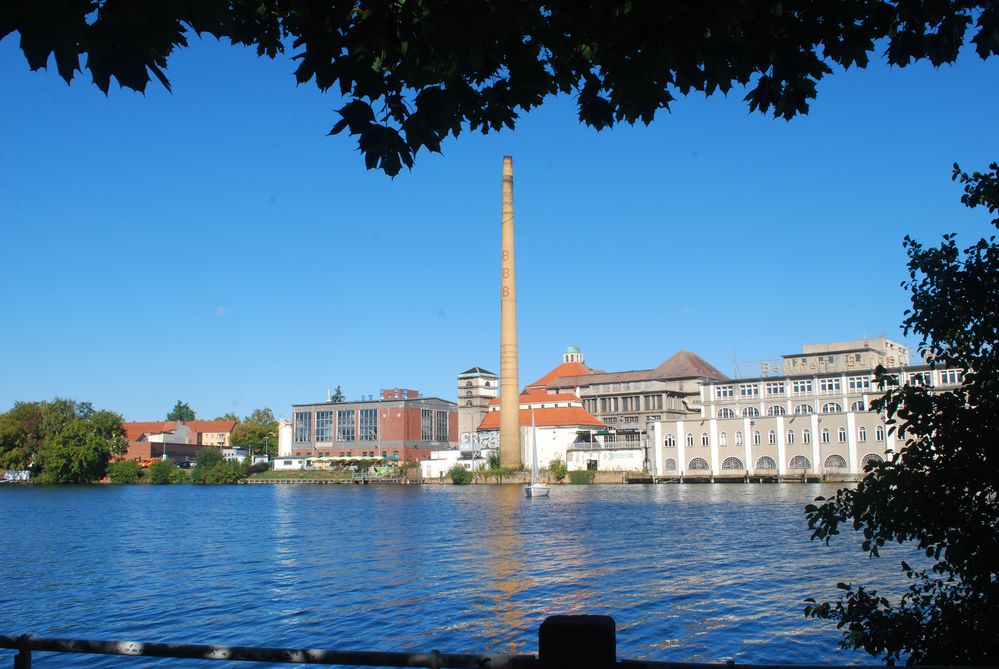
(262, 416)
(162, 471)
(124, 471)
(459, 475)
(224, 472)
(558, 468)
(181, 411)
(338, 396)
(228, 416)
(415, 72)
(204, 461)
(21, 437)
(78, 454)
(259, 438)
(940, 492)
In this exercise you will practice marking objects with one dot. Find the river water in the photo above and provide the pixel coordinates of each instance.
(692, 572)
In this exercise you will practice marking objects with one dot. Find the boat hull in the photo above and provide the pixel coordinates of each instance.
(536, 490)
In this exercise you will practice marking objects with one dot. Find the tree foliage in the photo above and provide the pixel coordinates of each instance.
(338, 396)
(459, 475)
(258, 433)
(412, 73)
(162, 471)
(181, 411)
(124, 471)
(939, 492)
(558, 468)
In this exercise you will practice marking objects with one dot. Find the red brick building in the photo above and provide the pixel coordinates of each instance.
(179, 440)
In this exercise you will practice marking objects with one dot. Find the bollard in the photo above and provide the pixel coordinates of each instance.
(577, 642)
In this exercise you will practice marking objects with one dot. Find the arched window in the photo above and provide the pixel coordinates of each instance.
(723, 438)
(870, 457)
(468, 384)
(803, 409)
(766, 462)
(831, 407)
(468, 403)
(879, 433)
(841, 435)
(835, 461)
(799, 462)
(790, 436)
(670, 464)
(775, 411)
(698, 463)
(670, 441)
(725, 412)
(806, 436)
(732, 463)
(771, 437)
(690, 439)
(738, 438)
(825, 435)
(861, 433)
(704, 439)
(756, 437)
(487, 384)
(750, 412)
(858, 406)
(468, 393)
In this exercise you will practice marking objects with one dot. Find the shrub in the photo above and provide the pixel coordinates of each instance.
(558, 469)
(459, 475)
(162, 471)
(124, 471)
(180, 476)
(582, 476)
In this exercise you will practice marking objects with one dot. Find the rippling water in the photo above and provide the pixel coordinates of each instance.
(695, 572)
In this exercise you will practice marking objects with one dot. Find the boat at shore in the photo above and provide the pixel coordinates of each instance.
(535, 488)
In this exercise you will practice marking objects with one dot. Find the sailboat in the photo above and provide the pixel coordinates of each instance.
(535, 488)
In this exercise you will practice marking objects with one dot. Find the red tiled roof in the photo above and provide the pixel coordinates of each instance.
(536, 396)
(684, 364)
(136, 430)
(211, 425)
(560, 417)
(565, 369)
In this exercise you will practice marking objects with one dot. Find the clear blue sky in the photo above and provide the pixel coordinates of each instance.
(213, 245)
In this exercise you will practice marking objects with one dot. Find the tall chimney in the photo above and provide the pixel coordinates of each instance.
(509, 444)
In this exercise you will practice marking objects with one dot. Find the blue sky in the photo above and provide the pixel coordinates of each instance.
(213, 245)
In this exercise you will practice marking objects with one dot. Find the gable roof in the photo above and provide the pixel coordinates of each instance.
(684, 364)
(476, 371)
(551, 417)
(563, 370)
(135, 430)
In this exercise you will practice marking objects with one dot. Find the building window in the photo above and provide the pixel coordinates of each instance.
(858, 406)
(790, 436)
(802, 387)
(799, 462)
(879, 433)
(690, 439)
(858, 383)
(766, 462)
(775, 388)
(670, 441)
(738, 438)
(670, 464)
(921, 379)
(324, 426)
(345, 425)
(698, 463)
(775, 411)
(806, 436)
(750, 412)
(803, 409)
(825, 435)
(426, 425)
(723, 392)
(771, 437)
(468, 384)
(726, 413)
(870, 458)
(732, 463)
(368, 420)
(862, 434)
(836, 462)
(756, 437)
(441, 434)
(704, 439)
(841, 435)
(303, 426)
(831, 407)
(749, 390)
(723, 439)
(951, 377)
(829, 385)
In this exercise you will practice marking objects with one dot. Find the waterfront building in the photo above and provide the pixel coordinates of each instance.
(399, 425)
(476, 388)
(180, 440)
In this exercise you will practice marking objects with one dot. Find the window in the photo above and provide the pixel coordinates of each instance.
(829, 385)
(468, 384)
(858, 406)
(722, 392)
(775, 388)
(825, 435)
(806, 436)
(858, 383)
(368, 424)
(670, 464)
(790, 436)
(732, 463)
(704, 439)
(726, 413)
(303, 426)
(803, 387)
(771, 437)
(723, 438)
(879, 433)
(862, 434)
(738, 438)
(426, 425)
(750, 412)
(324, 426)
(441, 425)
(756, 437)
(766, 462)
(841, 435)
(803, 409)
(698, 463)
(799, 462)
(836, 462)
(345, 425)
(775, 411)
(870, 458)
(831, 407)
(749, 390)
(690, 439)
(951, 377)
(670, 441)
(921, 379)
(468, 393)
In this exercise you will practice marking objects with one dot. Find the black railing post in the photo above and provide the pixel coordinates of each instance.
(577, 642)
(23, 658)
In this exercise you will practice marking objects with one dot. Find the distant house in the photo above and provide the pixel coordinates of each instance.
(177, 440)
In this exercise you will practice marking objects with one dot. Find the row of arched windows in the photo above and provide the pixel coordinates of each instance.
(806, 437)
(768, 463)
(799, 410)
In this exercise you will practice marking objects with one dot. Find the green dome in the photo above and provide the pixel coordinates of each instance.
(572, 349)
